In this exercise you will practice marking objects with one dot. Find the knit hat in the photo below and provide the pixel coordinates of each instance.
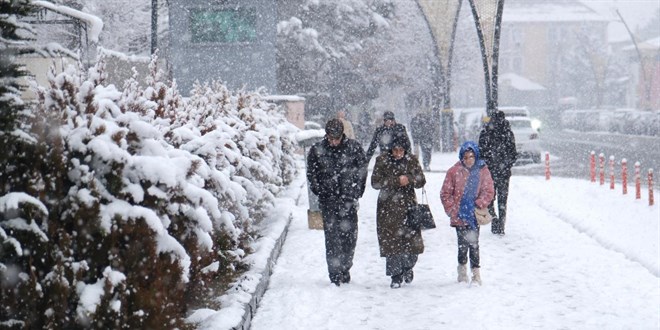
(398, 141)
(388, 115)
(498, 116)
(334, 128)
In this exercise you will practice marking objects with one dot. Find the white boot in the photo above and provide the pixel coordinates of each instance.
(476, 277)
(462, 273)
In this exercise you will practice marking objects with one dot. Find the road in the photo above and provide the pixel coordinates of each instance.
(570, 150)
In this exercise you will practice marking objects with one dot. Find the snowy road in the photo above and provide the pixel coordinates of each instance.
(576, 256)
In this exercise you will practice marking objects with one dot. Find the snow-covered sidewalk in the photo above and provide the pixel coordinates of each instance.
(575, 256)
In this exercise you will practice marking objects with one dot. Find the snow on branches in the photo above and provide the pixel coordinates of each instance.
(147, 190)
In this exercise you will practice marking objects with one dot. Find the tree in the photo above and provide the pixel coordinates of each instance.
(126, 23)
(348, 50)
(15, 143)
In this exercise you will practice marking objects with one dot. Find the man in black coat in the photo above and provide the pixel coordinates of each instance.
(498, 149)
(423, 133)
(384, 135)
(337, 174)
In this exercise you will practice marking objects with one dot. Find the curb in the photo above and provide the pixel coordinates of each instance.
(251, 307)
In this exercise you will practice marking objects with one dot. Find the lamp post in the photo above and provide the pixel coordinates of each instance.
(442, 18)
(642, 63)
(488, 20)
(154, 26)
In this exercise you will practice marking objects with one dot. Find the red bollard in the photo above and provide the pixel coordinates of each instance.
(650, 187)
(624, 175)
(638, 183)
(547, 165)
(601, 163)
(612, 172)
(592, 166)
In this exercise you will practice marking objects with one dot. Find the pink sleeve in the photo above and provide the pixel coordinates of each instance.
(447, 191)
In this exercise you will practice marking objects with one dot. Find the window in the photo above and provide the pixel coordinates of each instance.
(223, 25)
(556, 34)
(516, 37)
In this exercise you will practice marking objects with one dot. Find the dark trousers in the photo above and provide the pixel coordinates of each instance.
(468, 243)
(427, 150)
(340, 223)
(501, 184)
(398, 264)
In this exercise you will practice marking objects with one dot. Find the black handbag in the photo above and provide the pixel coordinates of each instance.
(420, 216)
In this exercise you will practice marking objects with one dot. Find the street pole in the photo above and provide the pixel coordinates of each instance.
(442, 19)
(488, 20)
(154, 26)
(642, 62)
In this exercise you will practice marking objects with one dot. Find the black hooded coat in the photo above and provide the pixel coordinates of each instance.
(498, 146)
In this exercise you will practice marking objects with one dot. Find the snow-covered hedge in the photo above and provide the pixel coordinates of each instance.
(142, 204)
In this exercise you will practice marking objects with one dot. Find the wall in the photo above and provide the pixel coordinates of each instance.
(38, 67)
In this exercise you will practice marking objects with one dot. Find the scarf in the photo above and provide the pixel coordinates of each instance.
(466, 208)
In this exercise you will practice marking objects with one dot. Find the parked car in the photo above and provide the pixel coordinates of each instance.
(655, 124)
(512, 111)
(587, 120)
(528, 141)
(643, 123)
(469, 123)
(622, 120)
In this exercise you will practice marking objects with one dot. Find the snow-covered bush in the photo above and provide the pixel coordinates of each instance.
(144, 204)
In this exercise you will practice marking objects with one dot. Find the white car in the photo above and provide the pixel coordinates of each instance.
(528, 142)
(469, 123)
(515, 111)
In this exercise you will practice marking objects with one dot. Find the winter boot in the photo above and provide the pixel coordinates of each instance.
(396, 281)
(476, 277)
(345, 277)
(462, 273)
(408, 276)
(336, 279)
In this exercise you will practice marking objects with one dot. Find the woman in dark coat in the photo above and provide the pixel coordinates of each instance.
(397, 174)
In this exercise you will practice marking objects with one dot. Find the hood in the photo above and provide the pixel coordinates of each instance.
(469, 145)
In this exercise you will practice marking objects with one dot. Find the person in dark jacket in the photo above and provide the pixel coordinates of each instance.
(498, 149)
(337, 174)
(421, 128)
(364, 127)
(384, 135)
(397, 174)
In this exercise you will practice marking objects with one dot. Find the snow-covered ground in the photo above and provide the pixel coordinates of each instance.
(576, 255)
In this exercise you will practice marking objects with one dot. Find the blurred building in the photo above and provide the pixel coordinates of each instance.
(537, 41)
(233, 41)
(644, 90)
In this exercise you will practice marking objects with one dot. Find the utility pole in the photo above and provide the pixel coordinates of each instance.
(642, 64)
(154, 26)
